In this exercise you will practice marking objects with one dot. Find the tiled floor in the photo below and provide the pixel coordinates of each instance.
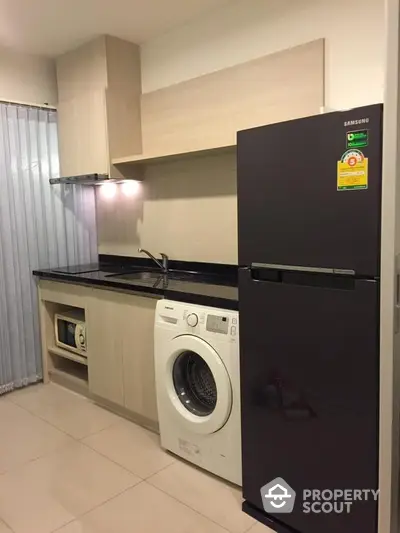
(67, 465)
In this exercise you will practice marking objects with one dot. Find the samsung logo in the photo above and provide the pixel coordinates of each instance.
(356, 122)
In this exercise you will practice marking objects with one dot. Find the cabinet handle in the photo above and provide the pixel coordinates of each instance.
(397, 302)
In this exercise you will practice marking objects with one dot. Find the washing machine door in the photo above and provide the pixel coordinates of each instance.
(198, 385)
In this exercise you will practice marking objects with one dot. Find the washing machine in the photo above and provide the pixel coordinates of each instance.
(198, 385)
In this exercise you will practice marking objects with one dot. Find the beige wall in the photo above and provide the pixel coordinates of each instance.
(245, 30)
(27, 78)
(185, 208)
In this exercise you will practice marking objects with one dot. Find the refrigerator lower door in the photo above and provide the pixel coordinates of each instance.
(310, 394)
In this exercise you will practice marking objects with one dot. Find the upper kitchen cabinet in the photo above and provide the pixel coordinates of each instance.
(202, 115)
(99, 90)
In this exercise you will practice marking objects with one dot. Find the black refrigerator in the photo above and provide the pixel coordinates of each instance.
(309, 218)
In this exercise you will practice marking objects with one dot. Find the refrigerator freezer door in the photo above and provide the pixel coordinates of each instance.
(309, 382)
(290, 210)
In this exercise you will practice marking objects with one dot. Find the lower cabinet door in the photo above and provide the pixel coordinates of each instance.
(105, 346)
(137, 322)
(121, 351)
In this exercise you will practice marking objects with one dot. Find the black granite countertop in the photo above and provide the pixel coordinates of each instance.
(213, 285)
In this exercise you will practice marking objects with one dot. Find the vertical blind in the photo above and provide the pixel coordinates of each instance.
(41, 226)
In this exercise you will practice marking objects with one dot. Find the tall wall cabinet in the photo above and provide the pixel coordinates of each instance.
(99, 88)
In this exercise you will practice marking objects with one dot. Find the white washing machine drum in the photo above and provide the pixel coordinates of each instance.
(198, 385)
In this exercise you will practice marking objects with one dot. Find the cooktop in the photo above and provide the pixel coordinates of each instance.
(77, 269)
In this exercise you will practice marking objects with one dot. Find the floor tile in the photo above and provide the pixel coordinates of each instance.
(69, 412)
(25, 437)
(4, 528)
(143, 509)
(131, 446)
(53, 490)
(219, 501)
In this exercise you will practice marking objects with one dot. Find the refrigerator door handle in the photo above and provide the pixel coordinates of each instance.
(300, 268)
(300, 276)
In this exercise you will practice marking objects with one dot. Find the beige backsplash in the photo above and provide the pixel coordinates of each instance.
(186, 209)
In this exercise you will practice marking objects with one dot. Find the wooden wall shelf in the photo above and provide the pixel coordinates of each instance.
(208, 111)
(202, 116)
(146, 159)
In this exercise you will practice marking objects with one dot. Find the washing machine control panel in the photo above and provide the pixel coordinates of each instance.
(202, 321)
(217, 324)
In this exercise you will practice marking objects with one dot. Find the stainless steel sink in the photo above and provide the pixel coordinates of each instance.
(153, 276)
(131, 276)
(185, 276)
(157, 278)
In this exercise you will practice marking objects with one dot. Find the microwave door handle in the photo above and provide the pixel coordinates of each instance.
(77, 336)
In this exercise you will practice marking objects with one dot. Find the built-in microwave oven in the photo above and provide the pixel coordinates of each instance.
(70, 331)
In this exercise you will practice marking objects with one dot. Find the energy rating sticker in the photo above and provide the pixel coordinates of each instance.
(357, 139)
(352, 171)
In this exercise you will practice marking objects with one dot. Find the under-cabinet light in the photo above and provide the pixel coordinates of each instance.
(130, 187)
(108, 190)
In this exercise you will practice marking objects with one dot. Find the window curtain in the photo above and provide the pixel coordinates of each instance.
(41, 226)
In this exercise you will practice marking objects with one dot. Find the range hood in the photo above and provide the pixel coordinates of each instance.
(88, 179)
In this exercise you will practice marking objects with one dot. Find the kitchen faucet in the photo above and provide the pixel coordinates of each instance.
(163, 265)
